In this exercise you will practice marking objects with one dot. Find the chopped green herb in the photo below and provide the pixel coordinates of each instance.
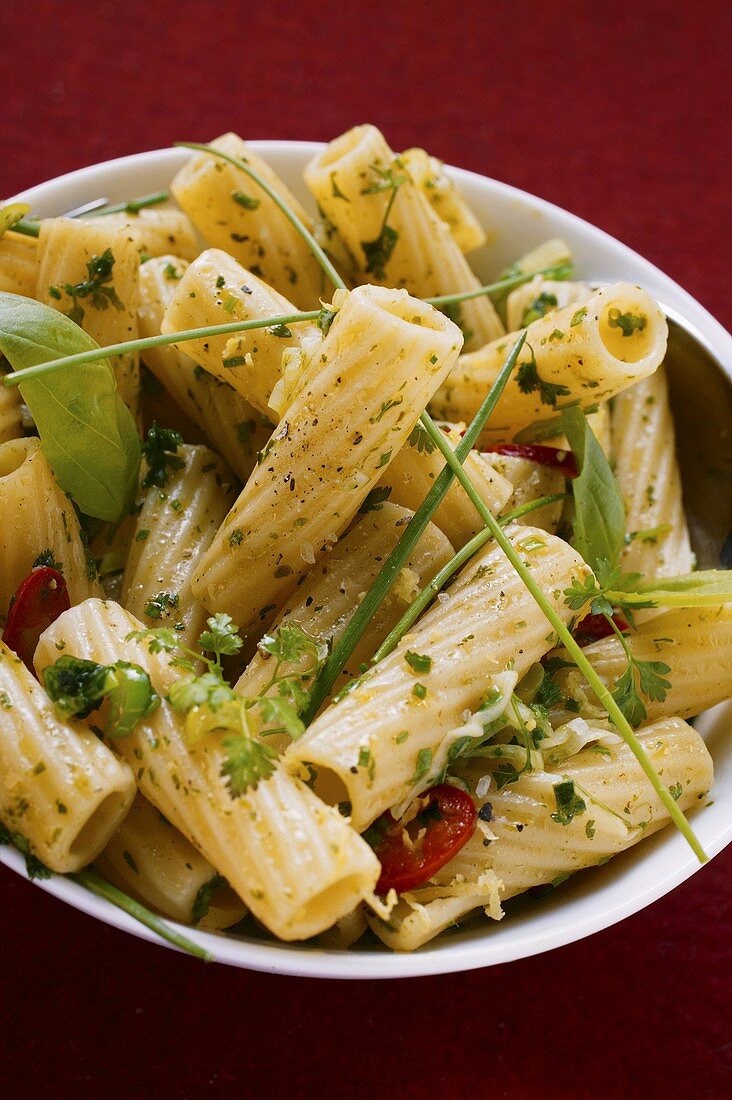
(418, 662)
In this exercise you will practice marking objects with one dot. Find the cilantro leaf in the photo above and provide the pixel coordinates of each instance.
(419, 438)
(247, 762)
(222, 637)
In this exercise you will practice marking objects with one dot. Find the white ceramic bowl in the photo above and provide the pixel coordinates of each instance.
(594, 899)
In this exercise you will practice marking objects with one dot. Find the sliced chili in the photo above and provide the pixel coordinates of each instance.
(556, 458)
(447, 821)
(594, 627)
(38, 602)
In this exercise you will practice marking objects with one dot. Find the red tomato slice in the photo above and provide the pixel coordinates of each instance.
(594, 627)
(38, 601)
(554, 457)
(449, 818)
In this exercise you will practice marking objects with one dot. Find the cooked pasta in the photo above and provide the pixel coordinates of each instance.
(695, 643)
(174, 529)
(391, 231)
(297, 890)
(356, 668)
(233, 213)
(50, 531)
(229, 422)
(216, 289)
(299, 500)
(590, 352)
(324, 603)
(149, 859)
(413, 472)
(61, 788)
(645, 465)
(523, 844)
(373, 744)
(89, 270)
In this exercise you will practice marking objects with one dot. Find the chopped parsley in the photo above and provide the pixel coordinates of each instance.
(569, 803)
(529, 380)
(160, 452)
(95, 288)
(418, 662)
(628, 323)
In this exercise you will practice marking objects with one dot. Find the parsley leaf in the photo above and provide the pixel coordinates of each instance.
(379, 251)
(222, 637)
(202, 901)
(628, 323)
(569, 803)
(419, 438)
(95, 287)
(159, 450)
(538, 308)
(375, 499)
(529, 380)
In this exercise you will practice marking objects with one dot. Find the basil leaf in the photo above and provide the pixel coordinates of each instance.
(599, 512)
(87, 433)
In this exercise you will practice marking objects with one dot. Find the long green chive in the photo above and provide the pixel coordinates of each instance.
(132, 206)
(397, 559)
(93, 356)
(103, 889)
(602, 692)
(509, 282)
(291, 216)
(438, 582)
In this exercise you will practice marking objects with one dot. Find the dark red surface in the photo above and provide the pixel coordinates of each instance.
(615, 111)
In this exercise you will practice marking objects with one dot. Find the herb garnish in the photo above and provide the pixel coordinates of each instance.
(78, 687)
(529, 380)
(95, 287)
(160, 452)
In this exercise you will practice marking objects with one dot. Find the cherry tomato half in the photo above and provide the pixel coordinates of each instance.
(38, 602)
(594, 627)
(448, 820)
(554, 457)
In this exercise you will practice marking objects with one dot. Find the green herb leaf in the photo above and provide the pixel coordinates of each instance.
(569, 803)
(95, 288)
(202, 901)
(247, 201)
(540, 306)
(419, 438)
(599, 512)
(628, 323)
(375, 499)
(222, 637)
(159, 450)
(77, 687)
(87, 433)
(529, 380)
(418, 662)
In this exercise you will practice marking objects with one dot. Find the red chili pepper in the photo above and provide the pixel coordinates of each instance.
(594, 627)
(38, 602)
(554, 457)
(449, 818)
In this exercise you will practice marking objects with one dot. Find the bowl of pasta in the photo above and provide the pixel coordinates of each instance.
(360, 616)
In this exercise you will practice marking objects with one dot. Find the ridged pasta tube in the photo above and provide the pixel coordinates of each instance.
(295, 862)
(524, 846)
(530, 481)
(60, 786)
(49, 528)
(150, 860)
(644, 444)
(174, 529)
(18, 264)
(330, 593)
(88, 270)
(384, 355)
(233, 213)
(593, 351)
(413, 472)
(158, 232)
(428, 173)
(381, 735)
(354, 180)
(540, 298)
(230, 424)
(695, 643)
(214, 290)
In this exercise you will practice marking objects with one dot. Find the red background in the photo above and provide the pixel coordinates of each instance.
(616, 112)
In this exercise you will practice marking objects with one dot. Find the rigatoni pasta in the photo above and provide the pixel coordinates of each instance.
(175, 526)
(391, 231)
(299, 500)
(50, 533)
(233, 213)
(61, 788)
(584, 354)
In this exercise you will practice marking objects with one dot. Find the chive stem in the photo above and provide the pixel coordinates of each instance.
(132, 206)
(95, 354)
(291, 216)
(103, 889)
(396, 561)
(27, 227)
(601, 691)
(559, 271)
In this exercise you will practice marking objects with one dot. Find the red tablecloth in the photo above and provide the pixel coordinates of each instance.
(616, 112)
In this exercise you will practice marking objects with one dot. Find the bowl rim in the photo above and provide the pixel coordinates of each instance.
(447, 956)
